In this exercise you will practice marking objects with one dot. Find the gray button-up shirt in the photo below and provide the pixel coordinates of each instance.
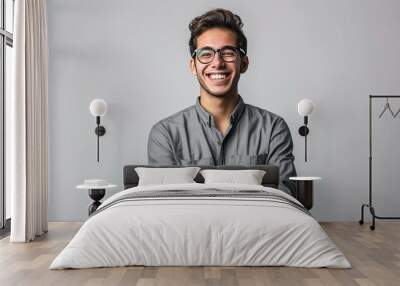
(255, 137)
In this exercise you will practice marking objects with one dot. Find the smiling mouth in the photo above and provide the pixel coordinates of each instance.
(217, 77)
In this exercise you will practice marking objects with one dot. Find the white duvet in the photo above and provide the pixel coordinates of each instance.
(200, 231)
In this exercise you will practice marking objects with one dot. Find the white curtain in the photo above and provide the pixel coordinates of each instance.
(28, 122)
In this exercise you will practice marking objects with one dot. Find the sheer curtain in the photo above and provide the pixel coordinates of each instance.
(28, 123)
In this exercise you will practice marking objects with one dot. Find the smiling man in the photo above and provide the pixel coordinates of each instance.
(220, 129)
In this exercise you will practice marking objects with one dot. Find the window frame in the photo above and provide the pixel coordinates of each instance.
(6, 39)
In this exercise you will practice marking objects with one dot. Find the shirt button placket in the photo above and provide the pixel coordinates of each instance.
(221, 160)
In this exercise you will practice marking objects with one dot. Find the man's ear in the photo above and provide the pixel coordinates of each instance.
(192, 66)
(244, 64)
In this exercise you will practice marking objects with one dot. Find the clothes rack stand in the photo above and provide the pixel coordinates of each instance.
(370, 205)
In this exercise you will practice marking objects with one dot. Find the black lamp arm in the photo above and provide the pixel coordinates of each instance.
(100, 131)
(303, 131)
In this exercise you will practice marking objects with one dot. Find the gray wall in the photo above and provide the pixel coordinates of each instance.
(134, 54)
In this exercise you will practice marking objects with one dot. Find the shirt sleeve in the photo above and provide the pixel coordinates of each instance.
(281, 154)
(160, 149)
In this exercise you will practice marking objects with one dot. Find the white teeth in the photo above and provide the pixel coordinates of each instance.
(217, 76)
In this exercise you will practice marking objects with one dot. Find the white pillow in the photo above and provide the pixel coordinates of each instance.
(164, 176)
(248, 177)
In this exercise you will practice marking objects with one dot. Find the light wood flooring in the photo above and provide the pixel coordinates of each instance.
(375, 257)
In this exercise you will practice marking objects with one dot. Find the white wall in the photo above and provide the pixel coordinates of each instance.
(134, 54)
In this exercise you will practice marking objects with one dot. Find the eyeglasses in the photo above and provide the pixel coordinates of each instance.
(228, 54)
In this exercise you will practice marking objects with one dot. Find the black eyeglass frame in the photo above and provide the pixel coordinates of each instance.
(237, 49)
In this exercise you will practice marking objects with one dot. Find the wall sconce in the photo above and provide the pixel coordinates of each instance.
(98, 107)
(305, 107)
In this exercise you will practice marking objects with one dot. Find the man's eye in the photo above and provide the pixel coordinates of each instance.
(205, 54)
(228, 54)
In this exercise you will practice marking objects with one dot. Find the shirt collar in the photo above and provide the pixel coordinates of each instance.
(208, 119)
(237, 112)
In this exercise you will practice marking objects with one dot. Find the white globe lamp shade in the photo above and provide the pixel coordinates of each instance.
(305, 107)
(98, 107)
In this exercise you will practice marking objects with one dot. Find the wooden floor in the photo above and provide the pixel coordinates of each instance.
(375, 257)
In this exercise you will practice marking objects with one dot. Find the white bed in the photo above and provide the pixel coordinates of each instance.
(202, 231)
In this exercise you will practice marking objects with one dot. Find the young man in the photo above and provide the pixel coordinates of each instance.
(220, 129)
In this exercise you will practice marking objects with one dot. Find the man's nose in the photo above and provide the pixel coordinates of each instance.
(217, 60)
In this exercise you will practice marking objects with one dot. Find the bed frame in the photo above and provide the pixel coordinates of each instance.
(270, 179)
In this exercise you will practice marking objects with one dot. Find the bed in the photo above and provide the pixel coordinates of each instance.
(201, 224)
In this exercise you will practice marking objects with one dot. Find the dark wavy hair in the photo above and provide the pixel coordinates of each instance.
(217, 18)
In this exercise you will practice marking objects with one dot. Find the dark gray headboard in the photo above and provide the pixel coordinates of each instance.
(270, 179)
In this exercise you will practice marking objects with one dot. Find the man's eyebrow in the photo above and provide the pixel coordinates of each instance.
(208, 47)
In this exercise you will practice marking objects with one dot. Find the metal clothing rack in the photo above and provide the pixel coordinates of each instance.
(369, 205)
